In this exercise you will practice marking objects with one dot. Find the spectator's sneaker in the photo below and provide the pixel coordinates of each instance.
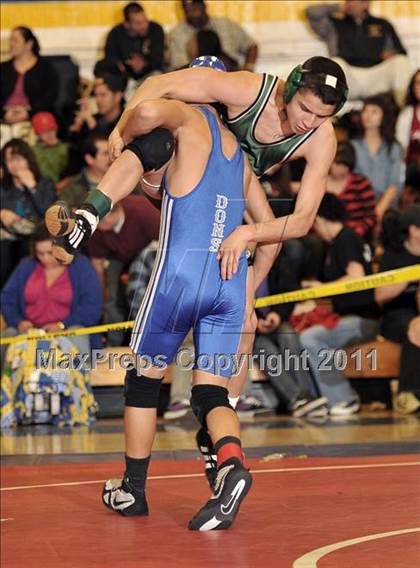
(406, 403)
(320, 412)
(177, 409)
(249, 406)
(122, 497)
(345, 408)
(304, 406)
(232, 484)
(205, 445)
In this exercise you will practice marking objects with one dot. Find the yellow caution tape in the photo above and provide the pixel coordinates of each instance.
(410, 273)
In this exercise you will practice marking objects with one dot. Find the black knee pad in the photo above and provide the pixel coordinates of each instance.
(206, 397)
(153, 149)
(141, 392)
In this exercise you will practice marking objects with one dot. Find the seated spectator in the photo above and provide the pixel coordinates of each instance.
(24, 196)
(121, 235)
(207, 42)
(348, 257)
(276, 339)
(408, 125)
(411, 193)
(95, 156)
(51, 154)
(137, 44)
(378, 154)
(401, 238)
(354, 190)
(236, 43)
(29, 83)
(367, 48)
(43, 294)
(109, 98)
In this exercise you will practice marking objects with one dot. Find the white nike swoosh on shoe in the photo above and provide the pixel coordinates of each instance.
(122, 504)
(210, 524)
(236, 493)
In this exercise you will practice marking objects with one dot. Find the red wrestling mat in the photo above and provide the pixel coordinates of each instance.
(295, 508)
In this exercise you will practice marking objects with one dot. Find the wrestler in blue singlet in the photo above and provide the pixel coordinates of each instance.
(186, 290)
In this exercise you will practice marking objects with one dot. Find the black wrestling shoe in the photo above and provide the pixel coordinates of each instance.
(70, 230)
(232, 484)
(205, 445)
(122, 497)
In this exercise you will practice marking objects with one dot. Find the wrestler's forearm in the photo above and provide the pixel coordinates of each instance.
(281, 229)
(264, 258)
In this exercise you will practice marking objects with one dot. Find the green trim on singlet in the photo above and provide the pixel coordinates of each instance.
(263, 155)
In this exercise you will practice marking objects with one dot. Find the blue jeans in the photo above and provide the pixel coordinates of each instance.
(291, 383)
(321, 345)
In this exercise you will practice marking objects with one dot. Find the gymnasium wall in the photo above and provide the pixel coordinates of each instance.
(279, 27)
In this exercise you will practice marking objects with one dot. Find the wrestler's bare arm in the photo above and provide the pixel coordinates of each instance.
(235, 90)
(259, 210)
(319, 156)
(125, 172)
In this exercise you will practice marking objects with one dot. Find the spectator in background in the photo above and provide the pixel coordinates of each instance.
(109, 98)
(411, 192)
(24, 197)
(51, 154)
(121, 235)
(401, 240)
(95, 155)
(408, 125)
(275, 337)
(378, 154)
(354, 190)
(367, 48)
(28, 82)
(348, 257)
(137, 44)
(236, 43)
(44, 294)
(207, 42)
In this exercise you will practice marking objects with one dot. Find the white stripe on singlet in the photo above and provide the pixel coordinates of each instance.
(149, 296)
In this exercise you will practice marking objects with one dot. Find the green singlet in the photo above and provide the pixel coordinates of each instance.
(263, 155)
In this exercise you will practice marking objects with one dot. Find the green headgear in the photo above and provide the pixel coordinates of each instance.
(298, 77)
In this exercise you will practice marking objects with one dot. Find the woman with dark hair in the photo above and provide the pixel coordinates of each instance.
(28, 82)
(354, 190)
(25, 196)
(207, 42)
(43, 294)
(408, 125)
(378, 154)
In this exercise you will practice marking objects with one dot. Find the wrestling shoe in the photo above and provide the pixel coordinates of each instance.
(205, 445)
(232, 484)
(71, 230)
(122, 497)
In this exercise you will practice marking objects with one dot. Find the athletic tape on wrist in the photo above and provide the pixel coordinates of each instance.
(101, 202)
